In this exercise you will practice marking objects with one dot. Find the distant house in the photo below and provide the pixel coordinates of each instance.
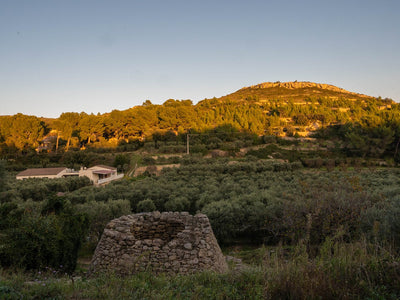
(46, 173)
(99, 174)
(47, 144)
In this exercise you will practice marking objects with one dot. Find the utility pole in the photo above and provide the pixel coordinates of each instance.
(187, 143)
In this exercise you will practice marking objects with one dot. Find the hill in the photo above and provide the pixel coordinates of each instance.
(281, 109)
(295, 91)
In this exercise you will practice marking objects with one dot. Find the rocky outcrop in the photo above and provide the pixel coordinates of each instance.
(301, 85)
(169, 242)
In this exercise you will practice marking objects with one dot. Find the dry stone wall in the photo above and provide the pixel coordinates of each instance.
(168, 242)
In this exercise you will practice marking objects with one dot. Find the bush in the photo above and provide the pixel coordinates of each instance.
(178, 204)
(198, 149)
(43, 241)
(99, 214)
(3, 175)
(122, 162)
(148, 160)
(35, 190)
(78, 158)
(265, 152)
(225, 219)
(146, 206)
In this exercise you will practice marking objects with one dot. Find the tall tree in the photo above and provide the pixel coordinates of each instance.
(65, 125)
(24, 131)
(90, 127)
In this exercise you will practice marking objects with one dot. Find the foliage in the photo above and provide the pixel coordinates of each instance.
(39, 189)
(279, 112)
(51, 239)
(67, 125)
(99, 214)
(21, 131)
(265, 200)
(121, 162)
(335, 232)
(77, 159)
(146, 205)
(341, 271)
(2, 175)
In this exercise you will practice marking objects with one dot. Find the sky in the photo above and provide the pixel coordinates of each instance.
(96, 56)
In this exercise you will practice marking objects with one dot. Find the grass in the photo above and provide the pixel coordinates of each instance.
(339, 271)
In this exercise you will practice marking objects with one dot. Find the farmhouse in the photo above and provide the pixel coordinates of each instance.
(99, 174)
(46, 173)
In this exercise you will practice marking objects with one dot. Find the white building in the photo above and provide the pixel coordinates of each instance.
(99, 174)
(46, 173)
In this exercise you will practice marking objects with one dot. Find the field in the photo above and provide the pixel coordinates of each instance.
(340, 271)
(327, 232)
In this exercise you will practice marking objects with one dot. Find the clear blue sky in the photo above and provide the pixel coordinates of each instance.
(96, 56)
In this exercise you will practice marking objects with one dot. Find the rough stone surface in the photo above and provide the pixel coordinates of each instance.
(168, 242)
(301, 85)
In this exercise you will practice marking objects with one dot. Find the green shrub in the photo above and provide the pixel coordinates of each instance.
(48, 240)
(146, 205)
(45, 241)
(99, 214)
(122, 162)
(3, 175)
(178, 204)
(33, 189)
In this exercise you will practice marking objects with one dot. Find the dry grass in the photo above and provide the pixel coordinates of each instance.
(340, 271)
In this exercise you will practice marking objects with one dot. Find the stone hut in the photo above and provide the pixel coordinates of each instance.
(168, 242)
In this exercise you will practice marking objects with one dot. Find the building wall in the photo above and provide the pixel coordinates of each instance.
(88, 173)
(41, 176)
(59, 175)
(67, 172)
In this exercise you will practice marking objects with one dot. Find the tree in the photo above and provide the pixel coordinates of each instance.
(147, 103)
(146, 205)
(115, 124)
(22, 131)
(301, 119)
(121, 162)
(90, 127)
(65, 125)
(46, 240)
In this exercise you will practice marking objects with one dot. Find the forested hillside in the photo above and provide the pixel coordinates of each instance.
(281, 109)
